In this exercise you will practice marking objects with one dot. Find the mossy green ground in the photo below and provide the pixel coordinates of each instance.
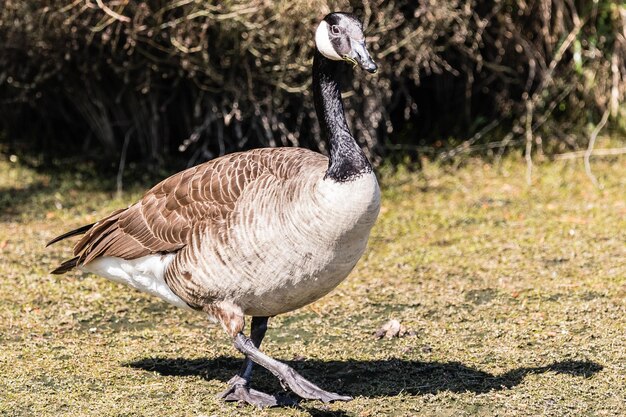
(515, 295)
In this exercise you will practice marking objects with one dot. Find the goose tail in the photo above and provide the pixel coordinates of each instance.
(70, 263)
(66, 266)
(81, 230)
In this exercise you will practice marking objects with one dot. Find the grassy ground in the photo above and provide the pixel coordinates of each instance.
(514, 295)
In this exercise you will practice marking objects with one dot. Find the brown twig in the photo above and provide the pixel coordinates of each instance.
(592, 142)
(466, 145)
(111, 13)
(529, 142)
(595, 153)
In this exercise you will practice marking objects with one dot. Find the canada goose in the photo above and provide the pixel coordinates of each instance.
(255, 233)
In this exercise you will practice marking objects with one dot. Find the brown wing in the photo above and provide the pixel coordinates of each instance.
(163, 219)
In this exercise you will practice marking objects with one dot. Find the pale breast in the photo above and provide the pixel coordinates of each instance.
(287, 245)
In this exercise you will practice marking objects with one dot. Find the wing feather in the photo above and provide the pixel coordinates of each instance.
(166, 216)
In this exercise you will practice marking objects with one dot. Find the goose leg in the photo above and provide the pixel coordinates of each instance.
(239, 385)
(287, 375)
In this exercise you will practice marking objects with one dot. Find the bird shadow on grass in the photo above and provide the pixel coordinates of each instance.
(370, 379)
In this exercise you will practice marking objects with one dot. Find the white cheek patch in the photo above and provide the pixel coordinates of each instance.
(322, 41)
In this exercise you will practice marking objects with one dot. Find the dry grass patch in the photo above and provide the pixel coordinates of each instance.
(514, 298)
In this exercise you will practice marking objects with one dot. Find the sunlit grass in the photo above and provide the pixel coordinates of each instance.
(515, 296)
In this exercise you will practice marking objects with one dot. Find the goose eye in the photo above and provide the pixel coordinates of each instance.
(334, 29)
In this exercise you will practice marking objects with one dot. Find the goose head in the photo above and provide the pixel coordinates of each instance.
(339, 37)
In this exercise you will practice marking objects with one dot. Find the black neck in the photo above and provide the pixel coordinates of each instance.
(347, 160)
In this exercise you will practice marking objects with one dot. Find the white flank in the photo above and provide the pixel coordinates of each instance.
(145, 274)
(322, 41)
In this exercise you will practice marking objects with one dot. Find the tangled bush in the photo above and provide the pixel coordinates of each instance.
(203, 78)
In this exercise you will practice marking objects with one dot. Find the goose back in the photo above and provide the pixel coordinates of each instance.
(195, 199)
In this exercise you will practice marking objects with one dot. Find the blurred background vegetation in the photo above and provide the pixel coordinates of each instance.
(182, 81)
